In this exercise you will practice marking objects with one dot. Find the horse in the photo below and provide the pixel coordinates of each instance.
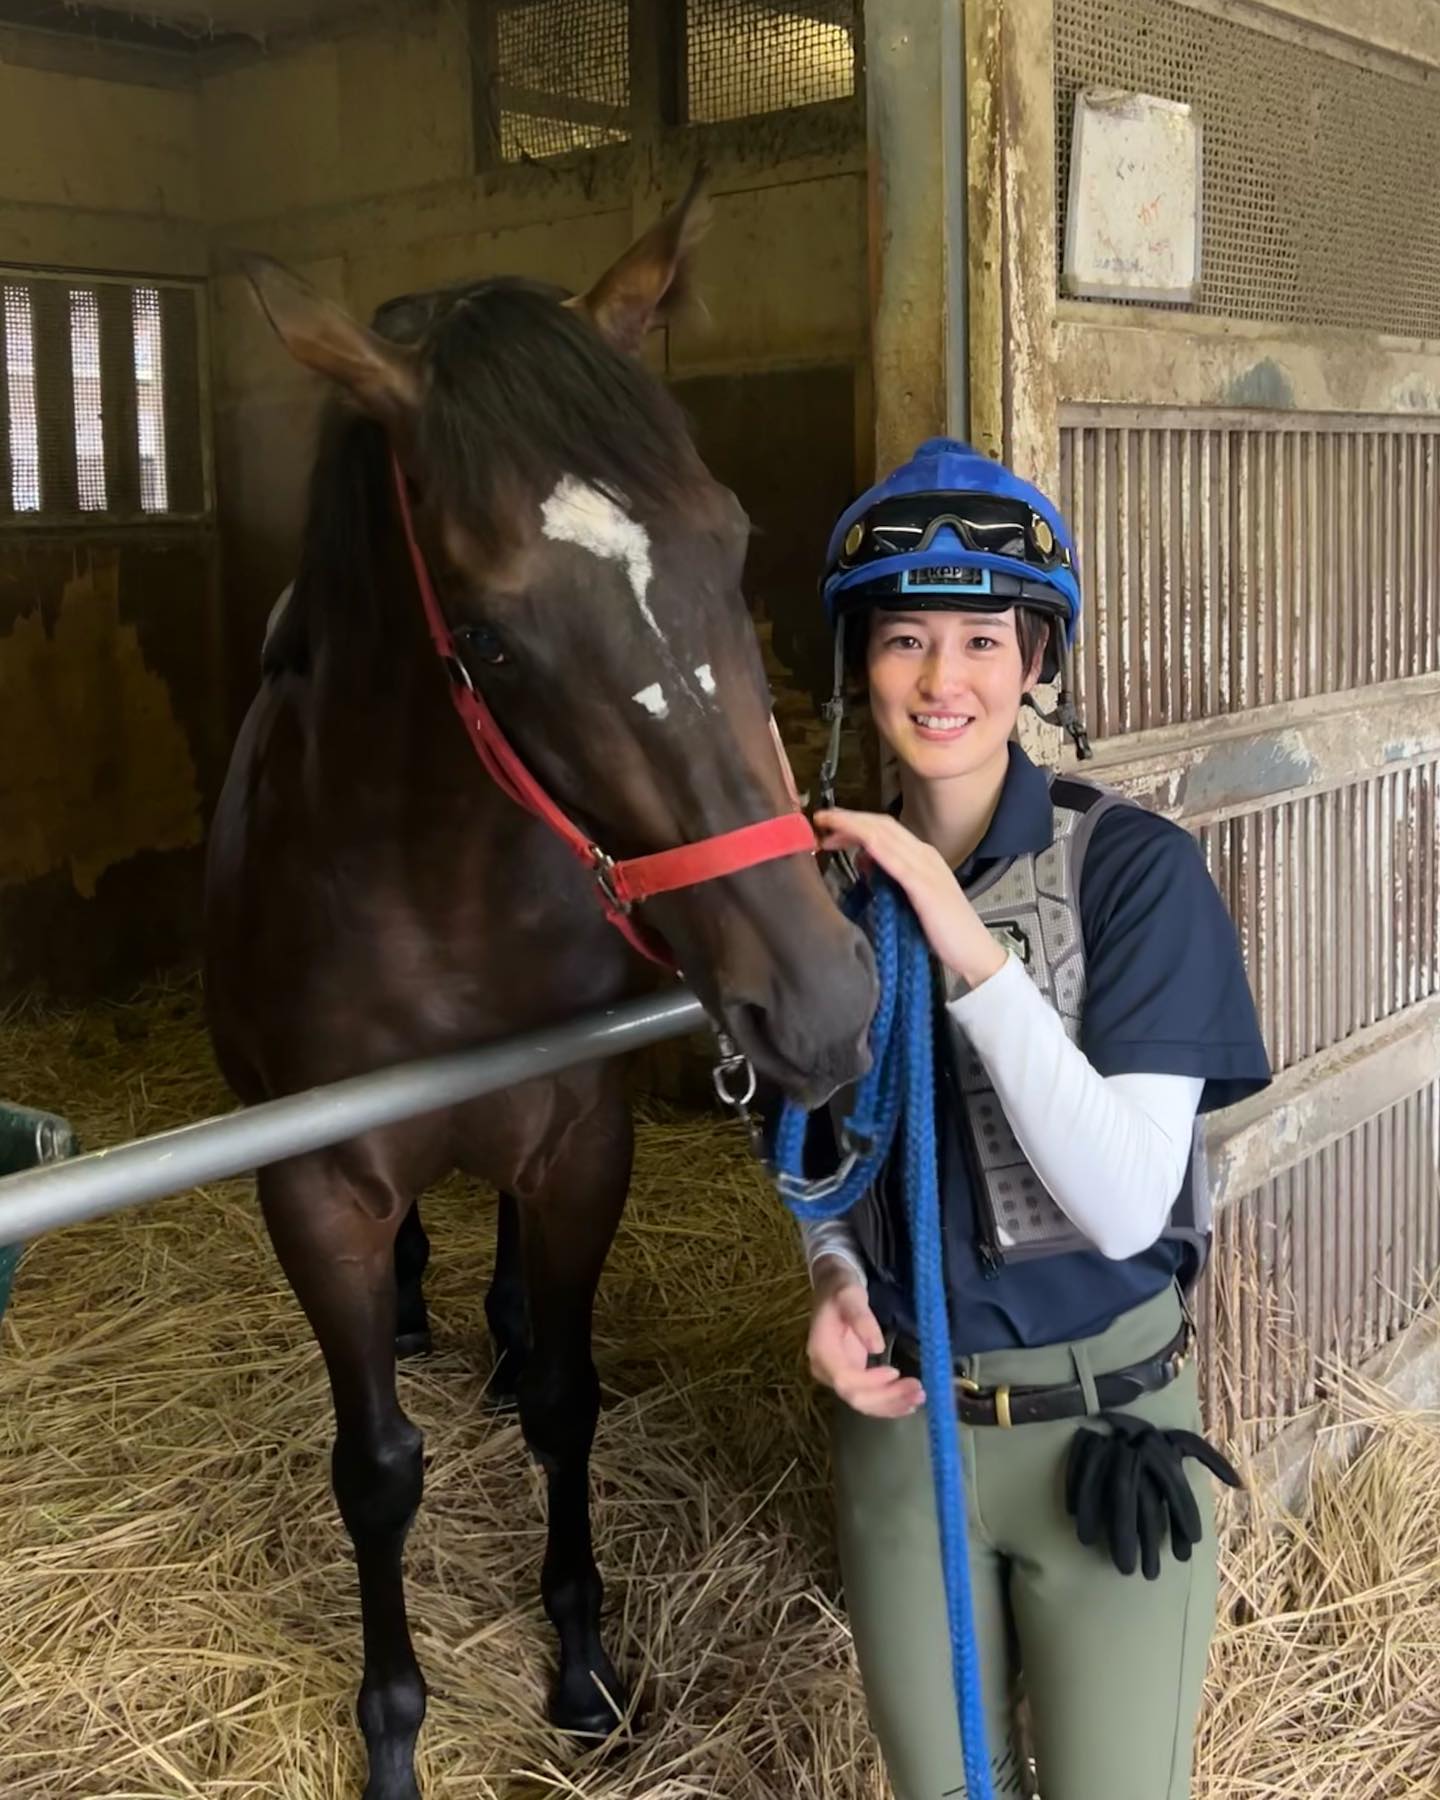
(497, 455)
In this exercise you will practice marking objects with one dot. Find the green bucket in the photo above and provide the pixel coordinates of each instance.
(27, 1138)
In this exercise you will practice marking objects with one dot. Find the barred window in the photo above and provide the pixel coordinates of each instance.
(23, 420)
(150, 399)
(101, 401)
(89, 400)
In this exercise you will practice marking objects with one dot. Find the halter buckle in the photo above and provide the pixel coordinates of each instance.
(603, 867)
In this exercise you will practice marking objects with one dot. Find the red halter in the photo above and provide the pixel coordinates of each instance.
(624, 884)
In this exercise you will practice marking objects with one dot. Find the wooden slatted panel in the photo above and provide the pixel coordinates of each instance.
(1334, 897)
(1328, 1260)
(1227, 567)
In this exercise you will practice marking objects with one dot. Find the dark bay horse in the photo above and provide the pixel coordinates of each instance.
(372, 896)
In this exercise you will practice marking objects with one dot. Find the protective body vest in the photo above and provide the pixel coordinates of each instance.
(1031, 905)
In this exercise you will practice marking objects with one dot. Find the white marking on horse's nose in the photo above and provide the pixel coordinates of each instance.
(653, 700)
(705, 678)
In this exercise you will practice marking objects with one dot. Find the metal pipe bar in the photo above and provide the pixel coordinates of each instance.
(86, 1187)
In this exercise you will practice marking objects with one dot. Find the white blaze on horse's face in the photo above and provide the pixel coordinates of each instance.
(653, 700)
(581, 515)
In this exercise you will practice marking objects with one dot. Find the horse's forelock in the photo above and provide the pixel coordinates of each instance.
(522, 392)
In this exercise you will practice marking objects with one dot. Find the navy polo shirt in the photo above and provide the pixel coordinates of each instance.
(1166, 994)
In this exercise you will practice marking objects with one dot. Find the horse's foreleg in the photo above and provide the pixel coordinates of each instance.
(506, 1309)
(412, 1255)
(339, 1257)
(567, 1225)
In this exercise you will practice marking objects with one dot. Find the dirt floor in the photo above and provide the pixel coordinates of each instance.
(177, 1604)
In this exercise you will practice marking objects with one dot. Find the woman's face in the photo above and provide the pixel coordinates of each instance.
(945, 687)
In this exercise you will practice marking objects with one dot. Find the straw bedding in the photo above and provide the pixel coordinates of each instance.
(177, 1604)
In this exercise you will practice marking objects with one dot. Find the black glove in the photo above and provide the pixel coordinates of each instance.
(1130, 1483)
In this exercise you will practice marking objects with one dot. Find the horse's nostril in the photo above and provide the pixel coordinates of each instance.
(753, 1023)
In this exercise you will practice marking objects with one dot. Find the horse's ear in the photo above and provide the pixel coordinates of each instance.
(382, 378)
(652, 277)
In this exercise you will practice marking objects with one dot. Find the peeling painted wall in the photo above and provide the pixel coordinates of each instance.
(108, 754)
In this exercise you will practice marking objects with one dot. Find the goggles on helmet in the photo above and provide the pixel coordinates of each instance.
(987, 523)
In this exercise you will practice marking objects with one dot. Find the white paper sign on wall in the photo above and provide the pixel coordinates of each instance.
(1132, 227)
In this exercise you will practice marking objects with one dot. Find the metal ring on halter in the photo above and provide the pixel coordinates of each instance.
(731, 1063)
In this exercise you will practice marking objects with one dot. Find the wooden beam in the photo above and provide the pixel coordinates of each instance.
(1271, 754)
(574, 111)
(1138, 356)
(54, 396)
(483, 36)
(118, 409)
(659, 84)
(906, 226)
(1320, 1100)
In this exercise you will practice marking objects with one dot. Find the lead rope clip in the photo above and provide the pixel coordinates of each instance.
(733, 1079)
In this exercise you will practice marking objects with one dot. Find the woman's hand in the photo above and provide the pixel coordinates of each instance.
(955, 931)
(844, 1334)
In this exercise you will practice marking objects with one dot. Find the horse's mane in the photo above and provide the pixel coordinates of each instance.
(518, 392)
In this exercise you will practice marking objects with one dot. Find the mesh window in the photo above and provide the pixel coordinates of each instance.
(563, 71)
(102, 406)
(23, 419)
(89, 401)
(150, 399)
(1317, 206)
(746, 57)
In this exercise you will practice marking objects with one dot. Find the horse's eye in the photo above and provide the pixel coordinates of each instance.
(485, 643)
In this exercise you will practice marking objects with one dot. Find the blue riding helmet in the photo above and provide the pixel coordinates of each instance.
(952, 528)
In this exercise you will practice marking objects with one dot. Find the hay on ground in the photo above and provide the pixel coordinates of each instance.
(177, 1603)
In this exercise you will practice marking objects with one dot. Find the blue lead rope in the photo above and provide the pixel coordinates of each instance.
(901, 1083)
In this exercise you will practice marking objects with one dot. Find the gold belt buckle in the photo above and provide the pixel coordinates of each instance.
(1002, 1399)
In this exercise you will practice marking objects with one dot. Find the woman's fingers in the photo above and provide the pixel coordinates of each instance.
(837, 1353)
(893, 1399)
(839, 1359)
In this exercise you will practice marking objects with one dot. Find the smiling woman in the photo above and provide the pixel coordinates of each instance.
(1089, 1001)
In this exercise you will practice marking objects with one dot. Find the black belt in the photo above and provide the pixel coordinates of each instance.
(1006, 1405)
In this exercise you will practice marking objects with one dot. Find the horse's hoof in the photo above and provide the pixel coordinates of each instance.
(590, 1703)
(413, 1343)
(392, 1784)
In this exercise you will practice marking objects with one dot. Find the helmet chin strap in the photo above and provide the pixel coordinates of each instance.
(1065, 716)
(833, 713)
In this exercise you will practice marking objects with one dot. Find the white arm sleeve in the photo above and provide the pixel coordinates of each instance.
(835, 1237)
(1111, 1150)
